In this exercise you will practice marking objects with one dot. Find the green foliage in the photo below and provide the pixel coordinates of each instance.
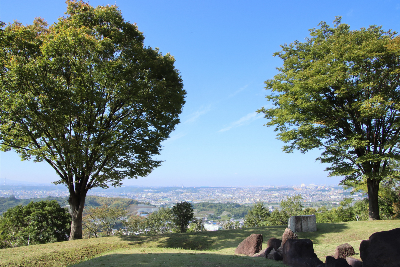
(292, 206)
(91, 201)
(158, 222)
(182, 215)
(347, 211)
(277, 218)
(36, 223)
(257, 216)
(231, 225)
(112, 202)
(86, 96)
(338, 91)
(196, 225)
(101, 220)
(236, 210)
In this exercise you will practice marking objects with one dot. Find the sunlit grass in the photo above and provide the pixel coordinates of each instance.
(190, 249)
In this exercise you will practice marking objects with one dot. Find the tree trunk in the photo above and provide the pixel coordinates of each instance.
(373, 189)
(77, 203)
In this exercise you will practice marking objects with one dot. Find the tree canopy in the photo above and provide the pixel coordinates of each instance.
(339, 92)
(36, 223)
(86, 96)
(182, 215)
(257, 216)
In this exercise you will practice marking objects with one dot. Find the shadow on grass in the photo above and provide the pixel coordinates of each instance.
(225, 239)
(146, 258)
(324, 229)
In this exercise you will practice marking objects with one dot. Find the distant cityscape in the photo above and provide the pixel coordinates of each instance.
(166, 196)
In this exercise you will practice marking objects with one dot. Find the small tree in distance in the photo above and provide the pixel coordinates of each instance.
(182, 215)
(102, 220)
(257, 216)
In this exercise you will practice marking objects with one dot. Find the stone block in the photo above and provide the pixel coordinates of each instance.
(303, 223)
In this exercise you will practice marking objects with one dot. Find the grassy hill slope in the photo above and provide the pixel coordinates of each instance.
(198, 249)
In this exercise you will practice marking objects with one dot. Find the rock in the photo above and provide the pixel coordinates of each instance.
(251, 245)
(263, 253)
(332, 262)
(303, 223)
(344, 251)
(288, 234)
(383, 249)
(300, 253)
(275, 255)
(354, 262)
(268, 250)
(270, 254)
(364, 249)
(274, 243)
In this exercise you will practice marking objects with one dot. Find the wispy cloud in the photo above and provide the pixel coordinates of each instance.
(239, 90)
(350, 13)
(174, 136)
(195, 115)
(242, 121)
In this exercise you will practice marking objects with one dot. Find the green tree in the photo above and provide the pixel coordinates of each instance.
(339, 92)
(87, 97)
(360, 209)
(159, 222)
(36, 223)
(292, 206)
(325, 216)
(277, 218)
(135, 224)
(102, 220)
(257, 216)
(196, 225)
(182, 215)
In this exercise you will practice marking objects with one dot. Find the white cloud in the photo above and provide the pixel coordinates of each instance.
(195, 115)
(239, 90)
(242, 121)
(174, 136)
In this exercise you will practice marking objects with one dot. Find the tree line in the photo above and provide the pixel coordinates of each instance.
(46, 221)
(348, 210)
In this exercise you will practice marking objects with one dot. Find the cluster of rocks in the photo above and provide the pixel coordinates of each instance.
(381, 249)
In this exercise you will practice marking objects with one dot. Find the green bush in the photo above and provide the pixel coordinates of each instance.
(36, 223)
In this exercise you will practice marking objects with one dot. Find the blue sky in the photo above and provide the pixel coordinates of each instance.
(223, 50)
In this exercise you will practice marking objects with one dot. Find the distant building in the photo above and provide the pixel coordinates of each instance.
(212, 227)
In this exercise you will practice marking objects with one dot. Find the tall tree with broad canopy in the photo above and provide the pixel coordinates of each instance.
(339, 92)
(86, 96)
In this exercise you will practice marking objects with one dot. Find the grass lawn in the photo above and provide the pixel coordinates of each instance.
(198, 249)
